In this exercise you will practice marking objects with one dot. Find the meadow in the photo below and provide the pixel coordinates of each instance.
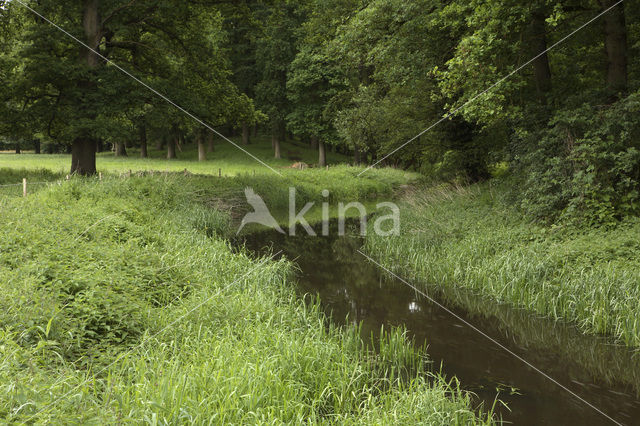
(226, 158)
(233, 169)
(472, 238)
(123, 302)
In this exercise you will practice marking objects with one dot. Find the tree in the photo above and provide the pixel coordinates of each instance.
(313, 82)
(276, 50)
(615, 43)
(316, 78)
(79, 100)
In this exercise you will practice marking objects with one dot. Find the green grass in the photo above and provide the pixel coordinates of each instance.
(99, 281)
(469, 238)
(340, 179)
(227, 158)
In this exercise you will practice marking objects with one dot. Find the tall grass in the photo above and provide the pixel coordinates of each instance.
(91, 271)
(470, 238)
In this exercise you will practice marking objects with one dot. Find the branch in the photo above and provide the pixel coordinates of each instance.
(127, 44)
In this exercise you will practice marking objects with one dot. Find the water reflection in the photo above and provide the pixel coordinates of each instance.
(353, 290)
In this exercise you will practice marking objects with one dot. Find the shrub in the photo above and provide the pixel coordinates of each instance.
(586, 166)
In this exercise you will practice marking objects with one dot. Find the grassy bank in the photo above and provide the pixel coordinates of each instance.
(228, 193)
(121, 302)
(470, 238)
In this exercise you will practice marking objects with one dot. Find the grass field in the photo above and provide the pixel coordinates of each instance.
(227, 158)
(123, 303)
(231, 162)
(470, 238)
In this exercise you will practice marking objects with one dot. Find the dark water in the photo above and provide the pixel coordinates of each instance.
(352, 289)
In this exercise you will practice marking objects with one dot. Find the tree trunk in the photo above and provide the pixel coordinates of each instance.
(255, 130)
(181, 141)
(202, 150)
(160, 143)
(246, 133)
(356, 155)
(322, 155)
(36, 146)
(83, 157)
(276, 148)
(143, 141)
(615, 43)
(541, 67)
(83, 149)
(275, 142)
(171, 148)
(18, 148)
(92, 30)
(210, 141)
(121, 150)
(99, 145)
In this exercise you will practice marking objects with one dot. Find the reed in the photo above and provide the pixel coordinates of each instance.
(471, 238)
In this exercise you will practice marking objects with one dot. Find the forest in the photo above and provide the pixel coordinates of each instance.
(506, 132)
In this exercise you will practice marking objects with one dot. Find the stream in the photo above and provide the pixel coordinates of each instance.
(352, 289)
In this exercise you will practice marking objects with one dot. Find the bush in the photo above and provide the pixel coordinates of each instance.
(586, 166)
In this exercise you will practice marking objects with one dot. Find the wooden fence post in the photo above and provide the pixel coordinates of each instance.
(24, 187)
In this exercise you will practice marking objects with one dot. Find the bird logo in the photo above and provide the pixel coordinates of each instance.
(260, 215)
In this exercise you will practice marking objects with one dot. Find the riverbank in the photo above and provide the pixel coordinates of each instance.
(351, 289)
(122, 302)
(470, 238)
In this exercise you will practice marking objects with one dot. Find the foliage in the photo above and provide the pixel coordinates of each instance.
(52, 95)
(275, 51)
(571, 144)
(474, 79)
(585, 167)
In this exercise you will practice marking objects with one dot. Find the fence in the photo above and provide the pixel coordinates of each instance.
(13, 189)
(23, 189)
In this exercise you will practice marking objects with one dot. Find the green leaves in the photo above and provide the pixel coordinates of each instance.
(174, 49)
(585, 167)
